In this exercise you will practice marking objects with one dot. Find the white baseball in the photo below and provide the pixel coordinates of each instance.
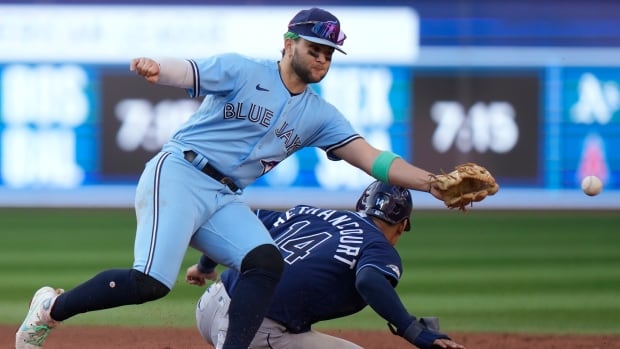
(591, 185)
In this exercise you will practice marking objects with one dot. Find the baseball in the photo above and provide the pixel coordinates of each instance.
(591, 185)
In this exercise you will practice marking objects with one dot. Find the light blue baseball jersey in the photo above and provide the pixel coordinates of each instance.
(249, 122)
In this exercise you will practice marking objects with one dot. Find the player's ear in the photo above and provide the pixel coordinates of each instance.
(403, 226)
(288, 46)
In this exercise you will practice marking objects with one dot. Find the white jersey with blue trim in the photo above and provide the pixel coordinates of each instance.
(249, 122)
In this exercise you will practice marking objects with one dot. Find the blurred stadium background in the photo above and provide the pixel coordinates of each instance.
(527, 88)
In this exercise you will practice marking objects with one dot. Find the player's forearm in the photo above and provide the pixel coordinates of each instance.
(406, 175)
(384, 165)
(206, 265)
(175, 72)
(381, 297)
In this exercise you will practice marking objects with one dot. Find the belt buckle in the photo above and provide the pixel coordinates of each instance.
(189, 155)
(227, 181)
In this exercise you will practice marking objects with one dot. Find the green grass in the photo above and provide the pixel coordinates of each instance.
(547, 272)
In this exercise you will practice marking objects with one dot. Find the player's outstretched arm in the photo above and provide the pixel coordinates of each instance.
(379, 294)
(164, 71)
(385, 165)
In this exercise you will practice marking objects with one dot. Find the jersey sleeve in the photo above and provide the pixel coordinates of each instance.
(383, 257)
(333, 130)
(217, 75)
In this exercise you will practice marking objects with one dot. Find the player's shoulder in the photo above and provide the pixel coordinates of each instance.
(238, 63)
(242, 59)
(318, 102)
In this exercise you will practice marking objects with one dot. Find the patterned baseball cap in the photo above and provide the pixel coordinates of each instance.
(318, 26)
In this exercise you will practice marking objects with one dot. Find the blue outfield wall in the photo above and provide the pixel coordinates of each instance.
(122, 196)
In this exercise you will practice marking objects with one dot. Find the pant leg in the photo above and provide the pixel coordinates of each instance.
(212, 323)
(173, 199)
(272, 335)
(212, 314)
(230, 233)
(212, 320)
(315, 339)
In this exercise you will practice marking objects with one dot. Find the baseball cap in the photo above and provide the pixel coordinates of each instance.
(318, 26)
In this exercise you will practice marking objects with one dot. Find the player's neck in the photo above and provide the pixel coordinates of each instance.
(291, 81)
(391, 231)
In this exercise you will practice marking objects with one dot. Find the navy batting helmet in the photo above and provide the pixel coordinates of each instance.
(390, 203)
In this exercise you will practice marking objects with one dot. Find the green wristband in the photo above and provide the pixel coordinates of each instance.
(381, 165)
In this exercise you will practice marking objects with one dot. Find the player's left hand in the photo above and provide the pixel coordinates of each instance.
(436, 193)
(193, 276)
(468, 183)
(447, 343)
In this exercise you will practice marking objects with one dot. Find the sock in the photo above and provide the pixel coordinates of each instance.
(108, 289)
(248, 305)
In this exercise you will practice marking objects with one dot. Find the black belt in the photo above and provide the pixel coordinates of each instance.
(212, 171)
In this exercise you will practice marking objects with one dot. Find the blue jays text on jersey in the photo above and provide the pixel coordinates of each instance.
(321, 248)
(255, 113)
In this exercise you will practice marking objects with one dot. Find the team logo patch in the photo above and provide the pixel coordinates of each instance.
(395, 269)
(268, 165)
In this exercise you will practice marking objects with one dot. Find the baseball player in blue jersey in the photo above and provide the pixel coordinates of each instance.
(255, 114)
(336, 263)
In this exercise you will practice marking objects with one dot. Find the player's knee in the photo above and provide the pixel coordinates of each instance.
(148, 288)
(264, 257)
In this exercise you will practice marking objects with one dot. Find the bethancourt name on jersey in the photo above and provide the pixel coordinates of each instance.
(351, 235)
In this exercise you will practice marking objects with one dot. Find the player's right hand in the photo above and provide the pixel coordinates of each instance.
(446, 343)
(193, 276)
(146, 67)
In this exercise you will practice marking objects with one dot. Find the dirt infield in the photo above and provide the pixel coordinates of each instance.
(76, 337)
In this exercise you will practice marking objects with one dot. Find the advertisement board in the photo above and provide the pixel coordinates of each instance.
(589, 126)
(49, 132)
(137, 118)
(486, 116)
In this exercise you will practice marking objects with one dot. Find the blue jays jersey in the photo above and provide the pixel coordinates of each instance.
(249, 122)
(323, 250)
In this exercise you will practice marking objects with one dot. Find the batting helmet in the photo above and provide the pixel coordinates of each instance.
(390, 203)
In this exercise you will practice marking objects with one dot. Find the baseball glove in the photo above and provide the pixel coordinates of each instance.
(467, 184)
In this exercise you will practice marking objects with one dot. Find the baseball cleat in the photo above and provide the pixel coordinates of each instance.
(38, 323)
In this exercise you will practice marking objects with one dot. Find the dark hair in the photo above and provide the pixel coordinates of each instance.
(292, 36)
